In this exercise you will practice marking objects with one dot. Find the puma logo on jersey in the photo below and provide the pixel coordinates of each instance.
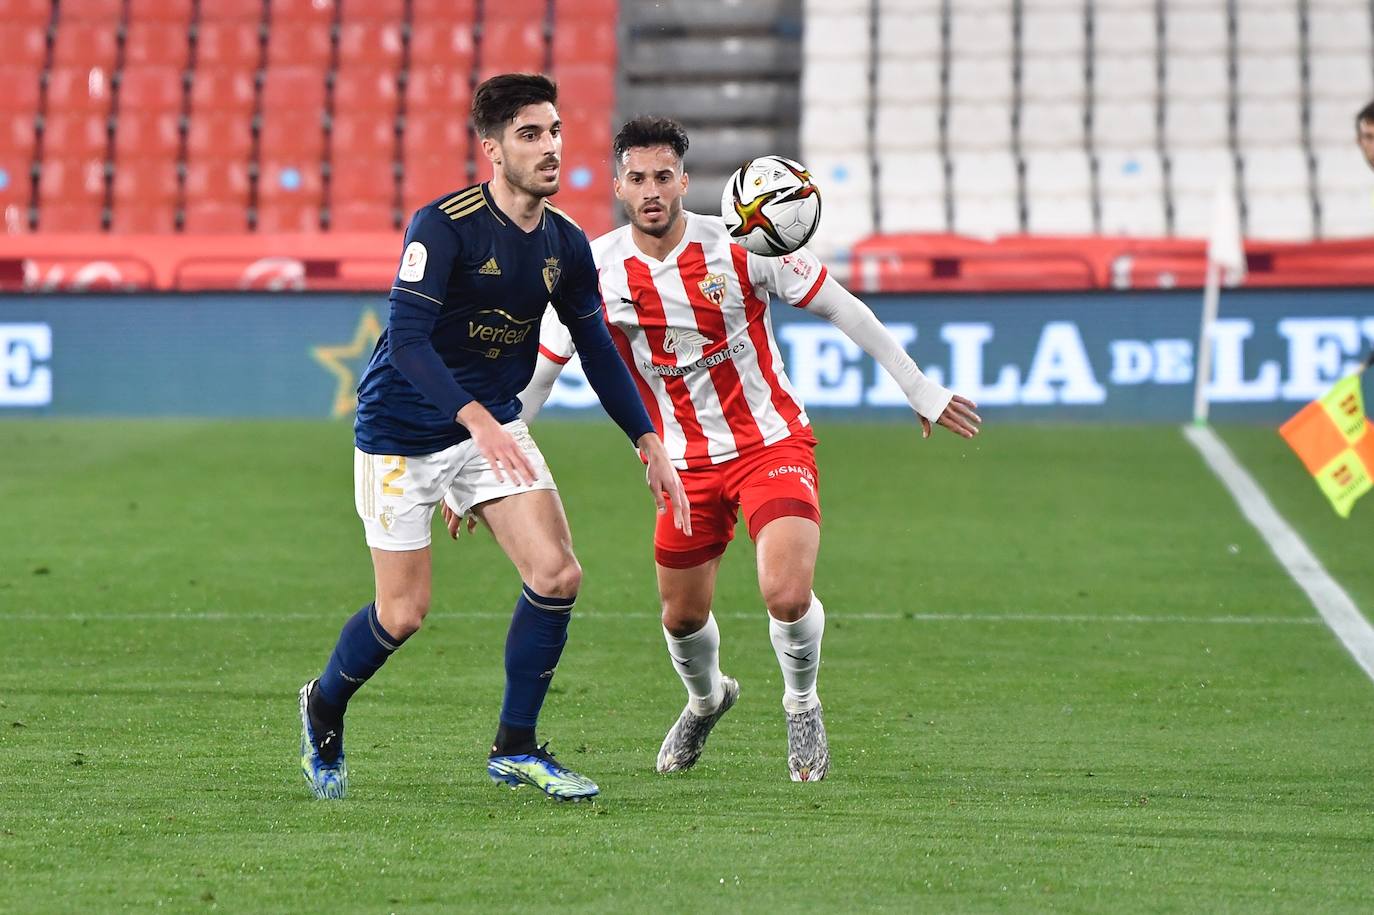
(688, 344)
(490, 268)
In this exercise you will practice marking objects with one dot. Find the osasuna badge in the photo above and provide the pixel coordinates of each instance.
(551, 272)
(713, 287)
(413, 262)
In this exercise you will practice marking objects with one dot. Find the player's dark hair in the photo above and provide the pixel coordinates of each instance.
(1366, 114)
(647, 130)
(499, 99)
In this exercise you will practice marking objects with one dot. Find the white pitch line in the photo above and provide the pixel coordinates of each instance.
(1337, 610)
(1058, 618)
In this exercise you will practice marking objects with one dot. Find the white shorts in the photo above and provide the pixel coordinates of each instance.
(396, 495)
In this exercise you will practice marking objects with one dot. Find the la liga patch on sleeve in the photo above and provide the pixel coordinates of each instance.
(413, 262)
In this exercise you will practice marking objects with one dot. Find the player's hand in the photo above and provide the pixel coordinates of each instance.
(663, 480)
(959, 417)
(499, 447)
(454, 522)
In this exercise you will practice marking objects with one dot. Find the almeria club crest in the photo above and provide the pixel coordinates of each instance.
(713, 287)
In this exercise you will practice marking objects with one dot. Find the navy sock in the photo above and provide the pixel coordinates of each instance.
(538, 631)
(363, 648)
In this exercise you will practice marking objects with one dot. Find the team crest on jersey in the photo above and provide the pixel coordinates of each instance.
(713, 287)
(686, 344)
(551, 272)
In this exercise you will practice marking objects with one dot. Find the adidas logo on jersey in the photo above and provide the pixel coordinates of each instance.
(490, 268)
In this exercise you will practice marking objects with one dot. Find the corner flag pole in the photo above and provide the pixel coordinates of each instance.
(1224, 251)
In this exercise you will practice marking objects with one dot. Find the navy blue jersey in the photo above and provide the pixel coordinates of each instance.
(464, 323)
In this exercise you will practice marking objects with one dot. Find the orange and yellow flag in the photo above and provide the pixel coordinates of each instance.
(1335, 443)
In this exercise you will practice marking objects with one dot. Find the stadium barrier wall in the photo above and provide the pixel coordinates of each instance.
(1023, 357)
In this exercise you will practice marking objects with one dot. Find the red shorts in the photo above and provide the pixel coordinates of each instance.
(771, 482)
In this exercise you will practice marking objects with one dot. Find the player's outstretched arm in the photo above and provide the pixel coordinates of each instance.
(931, 402)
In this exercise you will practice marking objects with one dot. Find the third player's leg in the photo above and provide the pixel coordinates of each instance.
(786, 555)
(403, 589)
(533, 531)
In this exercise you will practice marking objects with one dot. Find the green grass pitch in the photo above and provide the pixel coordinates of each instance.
(1061, 673)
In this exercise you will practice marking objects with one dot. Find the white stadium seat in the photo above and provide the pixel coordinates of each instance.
(1342, 168)
(1124, 31)
(908, 79)
(1196, 123)
(984, 174)
(1053, 78)
(1124, 125)
(1266, 122)
(1196, 172)
(978, 126)
(1051, 125)
(1193, 214)
(1268, 75)
(1333, 120)
(1268, 30)
(1053, 6)
(907, 126)
(1340, 28)
(835, 80)
(1346, 215)
(1058, 172)
(1060, 31)
(977, 32)
(848, 184)
(1279, 216)
(1196, 76)
(1125, 173)
(828, 34)
(986, 217)
(1137, 215)
(1196, 31)
(1281, 169)
(1341, 75)
(912, 35)
(1125, 77)
(912, 192)
(987, 79)
(831, 128)
(1059, 214)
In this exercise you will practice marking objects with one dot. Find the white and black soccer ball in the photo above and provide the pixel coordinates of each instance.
(771, 206)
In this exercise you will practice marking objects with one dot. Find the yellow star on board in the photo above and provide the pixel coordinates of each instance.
(342, 360)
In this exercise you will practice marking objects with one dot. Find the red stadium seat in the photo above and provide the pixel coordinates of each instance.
(584, 41)
(219, 180)
(211, 217)
(220, 136)
(23, 45)
(431, 135)
(150, 88)
(362, 180)
(515, 45)
(234, 43)
(460, 11)
(20, 136)
(299, 45)
(135, 217)
(173, 11)
(86, 44)
(290, 181)
(375, 12)
(441, 45)
(291, 136)
(14, 179)
(14, 219)
(308, 12)
(517, 11)
(71, 180)
(79, 89)
(293, 89)
(369, 44)
(365, 89)
(21, 90)
(222, 90)
(28, 12)
(147, 134)
(232, 11)
(590, 207)
(439, 90)
(288, 217)
(361, 217)
(586, 10)
(164, 43)
(588, 86)
(151, 181)
(106, 11)
(424, 179)
(363, 135)
(76, 135)
(85, 216)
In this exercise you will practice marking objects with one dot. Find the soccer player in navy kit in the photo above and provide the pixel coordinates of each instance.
(438, 412)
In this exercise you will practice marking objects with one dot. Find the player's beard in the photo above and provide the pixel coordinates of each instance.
(530, 180)
(674, 211)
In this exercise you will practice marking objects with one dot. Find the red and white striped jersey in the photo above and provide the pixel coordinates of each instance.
(695, 332)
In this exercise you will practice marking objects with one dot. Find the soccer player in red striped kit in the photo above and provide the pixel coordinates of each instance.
(688, 310)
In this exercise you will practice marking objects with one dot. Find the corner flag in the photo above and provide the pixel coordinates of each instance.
(1333, 439)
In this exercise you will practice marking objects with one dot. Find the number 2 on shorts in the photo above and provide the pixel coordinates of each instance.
(393, 476)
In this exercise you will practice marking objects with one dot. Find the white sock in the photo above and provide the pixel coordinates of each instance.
(696, 658)
(798, 646)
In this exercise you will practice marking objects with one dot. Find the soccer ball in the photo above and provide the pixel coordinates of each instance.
(770, 206)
